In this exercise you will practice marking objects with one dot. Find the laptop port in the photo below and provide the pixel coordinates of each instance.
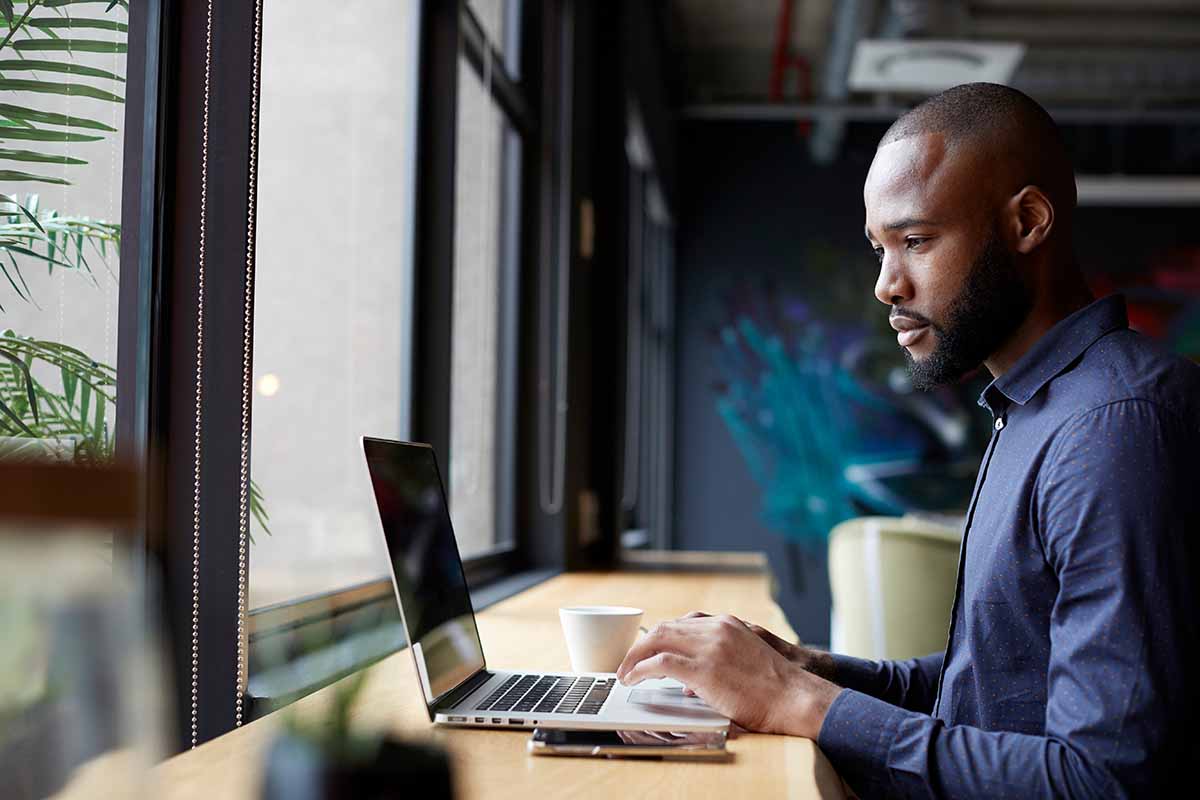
(516, 722)
(458, 719)
(480, 720)
(497, 721)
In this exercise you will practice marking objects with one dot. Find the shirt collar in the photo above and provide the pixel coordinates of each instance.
(1061, 345)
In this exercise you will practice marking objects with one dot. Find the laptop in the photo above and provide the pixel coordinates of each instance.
(458, 686)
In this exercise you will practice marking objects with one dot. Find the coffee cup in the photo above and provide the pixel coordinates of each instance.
(598, 637)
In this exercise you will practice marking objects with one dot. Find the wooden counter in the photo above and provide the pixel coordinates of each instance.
(523, 632)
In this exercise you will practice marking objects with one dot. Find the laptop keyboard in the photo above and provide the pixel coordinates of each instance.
(549, 694)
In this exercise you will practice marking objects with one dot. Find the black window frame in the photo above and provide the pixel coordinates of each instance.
(191, 122)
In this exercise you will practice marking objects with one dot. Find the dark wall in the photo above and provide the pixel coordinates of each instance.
(752, 204)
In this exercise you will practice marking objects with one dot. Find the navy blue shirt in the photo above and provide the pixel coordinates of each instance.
(1071, 665)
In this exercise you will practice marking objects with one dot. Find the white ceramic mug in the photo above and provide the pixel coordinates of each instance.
(598, 637)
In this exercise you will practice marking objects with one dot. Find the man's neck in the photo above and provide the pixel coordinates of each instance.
(1051, 308)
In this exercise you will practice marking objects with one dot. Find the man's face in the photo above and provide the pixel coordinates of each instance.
(953, 285)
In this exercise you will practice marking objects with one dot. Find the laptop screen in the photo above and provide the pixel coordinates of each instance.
(434, 602)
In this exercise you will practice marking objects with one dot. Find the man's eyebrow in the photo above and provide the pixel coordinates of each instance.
(907, 222)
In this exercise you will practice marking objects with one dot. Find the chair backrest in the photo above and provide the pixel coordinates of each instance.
(892, 580)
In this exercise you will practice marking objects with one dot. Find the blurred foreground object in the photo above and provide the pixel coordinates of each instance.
(327, 756)
(81, 697)
(893, 582)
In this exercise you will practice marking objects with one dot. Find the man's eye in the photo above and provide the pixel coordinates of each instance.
(913, 242)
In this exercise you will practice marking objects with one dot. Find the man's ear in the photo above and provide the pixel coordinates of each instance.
(1031, 215)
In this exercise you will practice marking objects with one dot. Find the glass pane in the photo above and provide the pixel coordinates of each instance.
(333, 286)
(486, 205)
(60, 228)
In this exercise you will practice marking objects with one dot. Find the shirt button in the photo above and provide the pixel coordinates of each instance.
(999, 423)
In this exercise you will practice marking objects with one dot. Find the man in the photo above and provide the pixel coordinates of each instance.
(1073, 628)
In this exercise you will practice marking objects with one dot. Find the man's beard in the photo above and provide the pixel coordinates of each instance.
(991, 306)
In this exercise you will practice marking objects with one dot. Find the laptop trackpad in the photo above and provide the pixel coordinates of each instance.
(670, 696)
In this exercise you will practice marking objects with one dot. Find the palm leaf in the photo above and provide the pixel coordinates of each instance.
(22, 113)
(23, 367)
(42, 135)
(71, 68)
(50, 87)
(60, 3)
(68, 45)
(15, 175)
(76, 22)
(37, 158)
(23, 210)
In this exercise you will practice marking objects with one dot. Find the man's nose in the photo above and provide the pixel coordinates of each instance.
(892, 287)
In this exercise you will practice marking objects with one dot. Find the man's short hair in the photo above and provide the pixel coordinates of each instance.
(993, 115)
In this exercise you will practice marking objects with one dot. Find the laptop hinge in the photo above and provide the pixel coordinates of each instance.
(463, 690)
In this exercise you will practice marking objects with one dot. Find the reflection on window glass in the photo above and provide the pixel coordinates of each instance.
(499, 20)
(60, 228)
(475, 357)
(332, 316)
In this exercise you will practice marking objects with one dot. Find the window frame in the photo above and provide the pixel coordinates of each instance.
(192, 93)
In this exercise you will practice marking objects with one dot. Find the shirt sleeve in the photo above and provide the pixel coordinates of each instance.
(910, 683)
(1117, 510)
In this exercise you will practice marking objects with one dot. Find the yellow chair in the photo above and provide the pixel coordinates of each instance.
(892, 580)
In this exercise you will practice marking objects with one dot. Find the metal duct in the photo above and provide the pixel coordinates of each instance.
(851, 22)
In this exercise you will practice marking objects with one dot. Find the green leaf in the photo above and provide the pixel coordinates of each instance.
(24, 369)
(60, 3)
(17, 269)
(13, 283)
(42, 135)
(14, 175)
(70, 383)
(37, 158)
(69, 67)
(25, 251)
(6, 10)
(99, 418)
(50, 118)
(51, 87)
(85, 399)
(77, 22)
(71, 45)
(8, 412)
(32, 217)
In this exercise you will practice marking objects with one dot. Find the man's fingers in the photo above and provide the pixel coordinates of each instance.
(665, 636)
(662, 665)
(695, 615)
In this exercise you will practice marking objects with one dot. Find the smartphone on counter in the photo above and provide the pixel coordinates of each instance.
(627, 744)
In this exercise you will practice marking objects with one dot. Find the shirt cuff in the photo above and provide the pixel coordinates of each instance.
(856, 673)
(856, 736)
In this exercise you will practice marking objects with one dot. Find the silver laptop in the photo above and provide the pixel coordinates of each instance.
(439, 620)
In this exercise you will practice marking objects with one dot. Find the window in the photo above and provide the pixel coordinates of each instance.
(61, 143)
(284, 259)
(333, 288)
(649, 423)
(486, 245)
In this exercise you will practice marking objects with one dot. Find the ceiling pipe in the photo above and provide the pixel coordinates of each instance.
(852, 21)
(859, 112)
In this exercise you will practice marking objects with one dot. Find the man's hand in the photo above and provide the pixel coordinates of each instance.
(736, 671)
(817, 662)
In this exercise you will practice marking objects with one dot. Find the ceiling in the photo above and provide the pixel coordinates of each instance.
(1119, 55)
